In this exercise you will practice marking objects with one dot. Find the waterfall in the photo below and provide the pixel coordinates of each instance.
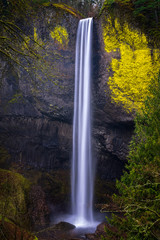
(82, 162)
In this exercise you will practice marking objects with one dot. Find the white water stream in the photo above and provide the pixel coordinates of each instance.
(82, 162)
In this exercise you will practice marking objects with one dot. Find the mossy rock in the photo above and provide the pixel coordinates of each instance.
(65, 226)
(61, 230)
(14, 189)
(55, 184)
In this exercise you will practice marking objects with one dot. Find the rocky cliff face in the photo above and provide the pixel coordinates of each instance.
(37, 120)
(36, 116)
(113, 127)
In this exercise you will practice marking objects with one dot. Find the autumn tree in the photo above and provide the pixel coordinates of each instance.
(134, 69)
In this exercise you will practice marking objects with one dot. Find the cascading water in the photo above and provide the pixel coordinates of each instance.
(82, 164)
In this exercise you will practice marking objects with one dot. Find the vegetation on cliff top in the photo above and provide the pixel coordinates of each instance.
(144, 13)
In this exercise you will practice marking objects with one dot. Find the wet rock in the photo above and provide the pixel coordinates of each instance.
(38, 209)
(90, 236)
(61, 230)
(65, 226)
(100, 231)
(100, 228)
(75, 239)
(112, 126)
(37, 142)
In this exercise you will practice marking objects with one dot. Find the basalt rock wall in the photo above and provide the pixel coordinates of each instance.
(113, 127)
(36, 119)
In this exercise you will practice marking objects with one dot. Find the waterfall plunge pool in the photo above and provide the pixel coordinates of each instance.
(80, 231)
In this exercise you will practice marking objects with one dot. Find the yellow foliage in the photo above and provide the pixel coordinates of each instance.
(133, 72)
(25, 43)
(60, 35)
(35, 34)
(117, 35)
(37, 39)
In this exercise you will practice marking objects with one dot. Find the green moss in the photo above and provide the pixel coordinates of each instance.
(37, 40)
(3, 155)
(35, 34)
(60, 35)
(14, 189)
(55, 184)
(65, 8)
(17, 98)
(5, 219)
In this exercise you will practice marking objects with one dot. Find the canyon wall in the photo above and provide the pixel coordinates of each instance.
(36, 111)
(36, 120)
